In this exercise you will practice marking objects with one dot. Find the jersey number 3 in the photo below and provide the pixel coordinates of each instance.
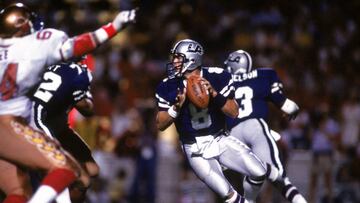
(244, 95)
(52, 83)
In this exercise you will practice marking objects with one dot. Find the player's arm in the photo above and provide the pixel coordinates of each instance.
(227, 104)
(83, 100)
(85, 106)
(87, 42)
(277, 96)
(165, 118)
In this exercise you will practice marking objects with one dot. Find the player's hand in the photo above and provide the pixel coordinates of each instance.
(124, 18)
(208, 87)
(292, 116)
(180, 99)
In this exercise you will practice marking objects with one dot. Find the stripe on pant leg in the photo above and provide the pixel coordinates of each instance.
(38, 110)
(274, 152)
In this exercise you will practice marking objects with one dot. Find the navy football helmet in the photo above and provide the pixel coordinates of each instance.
(17, 20)
(238, 62)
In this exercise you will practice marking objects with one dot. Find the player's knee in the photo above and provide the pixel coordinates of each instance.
(257, 171)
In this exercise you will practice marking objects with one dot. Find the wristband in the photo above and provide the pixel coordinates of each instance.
(105, 32)
(172, 112)
(289, 107)
(219, 100)
(110, 30)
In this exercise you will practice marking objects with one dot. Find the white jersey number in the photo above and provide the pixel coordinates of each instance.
(244, 95)
(200, 118)
(52, 83)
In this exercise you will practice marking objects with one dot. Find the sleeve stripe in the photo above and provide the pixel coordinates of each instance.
(227, 89)
(162, 102)
(276, 87)
(163, 105)
(161, 99)
(226, 94)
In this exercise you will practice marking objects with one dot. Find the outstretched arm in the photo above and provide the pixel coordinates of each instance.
(87, 42)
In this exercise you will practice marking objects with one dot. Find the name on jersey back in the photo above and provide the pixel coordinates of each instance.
(245, 76)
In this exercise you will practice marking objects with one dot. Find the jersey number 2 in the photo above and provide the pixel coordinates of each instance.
(52, 83)
(244, 95)
(8, 85)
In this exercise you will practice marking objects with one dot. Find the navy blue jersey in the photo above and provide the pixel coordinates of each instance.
(253, 91)
(62, 85)
(193, 121)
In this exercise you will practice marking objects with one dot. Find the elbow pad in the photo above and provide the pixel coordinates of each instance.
(289, 107)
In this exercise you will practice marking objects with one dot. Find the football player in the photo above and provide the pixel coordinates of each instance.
(253, 90)
(201, 131)
(65, 86)
(25, 51)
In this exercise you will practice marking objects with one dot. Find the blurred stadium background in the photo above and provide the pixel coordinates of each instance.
(313, 45)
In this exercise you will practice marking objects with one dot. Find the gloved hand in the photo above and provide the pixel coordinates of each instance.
(124, 18)
(292, 116)
(290, 109)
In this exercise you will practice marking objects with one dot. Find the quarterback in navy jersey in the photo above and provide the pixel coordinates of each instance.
(65, 86)
(254, 89)
(193, 121)
(201, 131)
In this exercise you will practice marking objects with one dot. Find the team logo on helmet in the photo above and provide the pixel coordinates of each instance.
(196, 49)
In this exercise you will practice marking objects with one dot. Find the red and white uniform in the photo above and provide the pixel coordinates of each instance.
(22, 61)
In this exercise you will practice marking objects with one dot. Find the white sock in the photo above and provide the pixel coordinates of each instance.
(64, 197)
(44, 194)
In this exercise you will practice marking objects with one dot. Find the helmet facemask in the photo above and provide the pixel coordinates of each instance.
(176, 65)
(186, 55)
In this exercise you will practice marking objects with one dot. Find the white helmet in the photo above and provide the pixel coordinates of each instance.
(191, 53)
(238, 62)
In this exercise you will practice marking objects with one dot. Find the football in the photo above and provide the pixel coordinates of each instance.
(196, 92)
